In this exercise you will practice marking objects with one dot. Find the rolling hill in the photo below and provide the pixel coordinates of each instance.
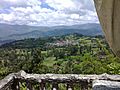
(18, 32)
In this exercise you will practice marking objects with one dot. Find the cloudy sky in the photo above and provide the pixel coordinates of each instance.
(47, 12)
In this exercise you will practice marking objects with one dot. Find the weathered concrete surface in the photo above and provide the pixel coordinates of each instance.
(6, 82)
(105, 85)
(55, 79)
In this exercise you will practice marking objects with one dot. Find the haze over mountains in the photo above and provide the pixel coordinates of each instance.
(17, 32)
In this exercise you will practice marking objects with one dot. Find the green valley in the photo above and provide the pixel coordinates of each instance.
(67, 54)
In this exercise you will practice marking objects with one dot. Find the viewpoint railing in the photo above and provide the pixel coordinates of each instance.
(15, 81)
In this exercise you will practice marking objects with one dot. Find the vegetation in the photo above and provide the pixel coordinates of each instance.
(73, 53)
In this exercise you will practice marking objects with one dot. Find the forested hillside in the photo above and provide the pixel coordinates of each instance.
(18, 32)
(74, 53)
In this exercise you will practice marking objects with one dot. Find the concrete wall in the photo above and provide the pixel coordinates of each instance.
(105, 85)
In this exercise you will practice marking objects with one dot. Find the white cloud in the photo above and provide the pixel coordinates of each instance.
(62, 4)
(54, 12)
(33, 2)
(75, 16)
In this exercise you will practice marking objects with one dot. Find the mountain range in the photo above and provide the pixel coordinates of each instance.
(18, 32)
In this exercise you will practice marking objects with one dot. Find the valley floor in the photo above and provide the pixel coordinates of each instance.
(73, 53)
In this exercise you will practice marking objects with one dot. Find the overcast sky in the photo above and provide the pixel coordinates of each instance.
(47, 12)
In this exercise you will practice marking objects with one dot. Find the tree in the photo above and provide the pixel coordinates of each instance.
(36, 59)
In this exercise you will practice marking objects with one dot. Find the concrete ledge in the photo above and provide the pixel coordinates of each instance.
(105, 85)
